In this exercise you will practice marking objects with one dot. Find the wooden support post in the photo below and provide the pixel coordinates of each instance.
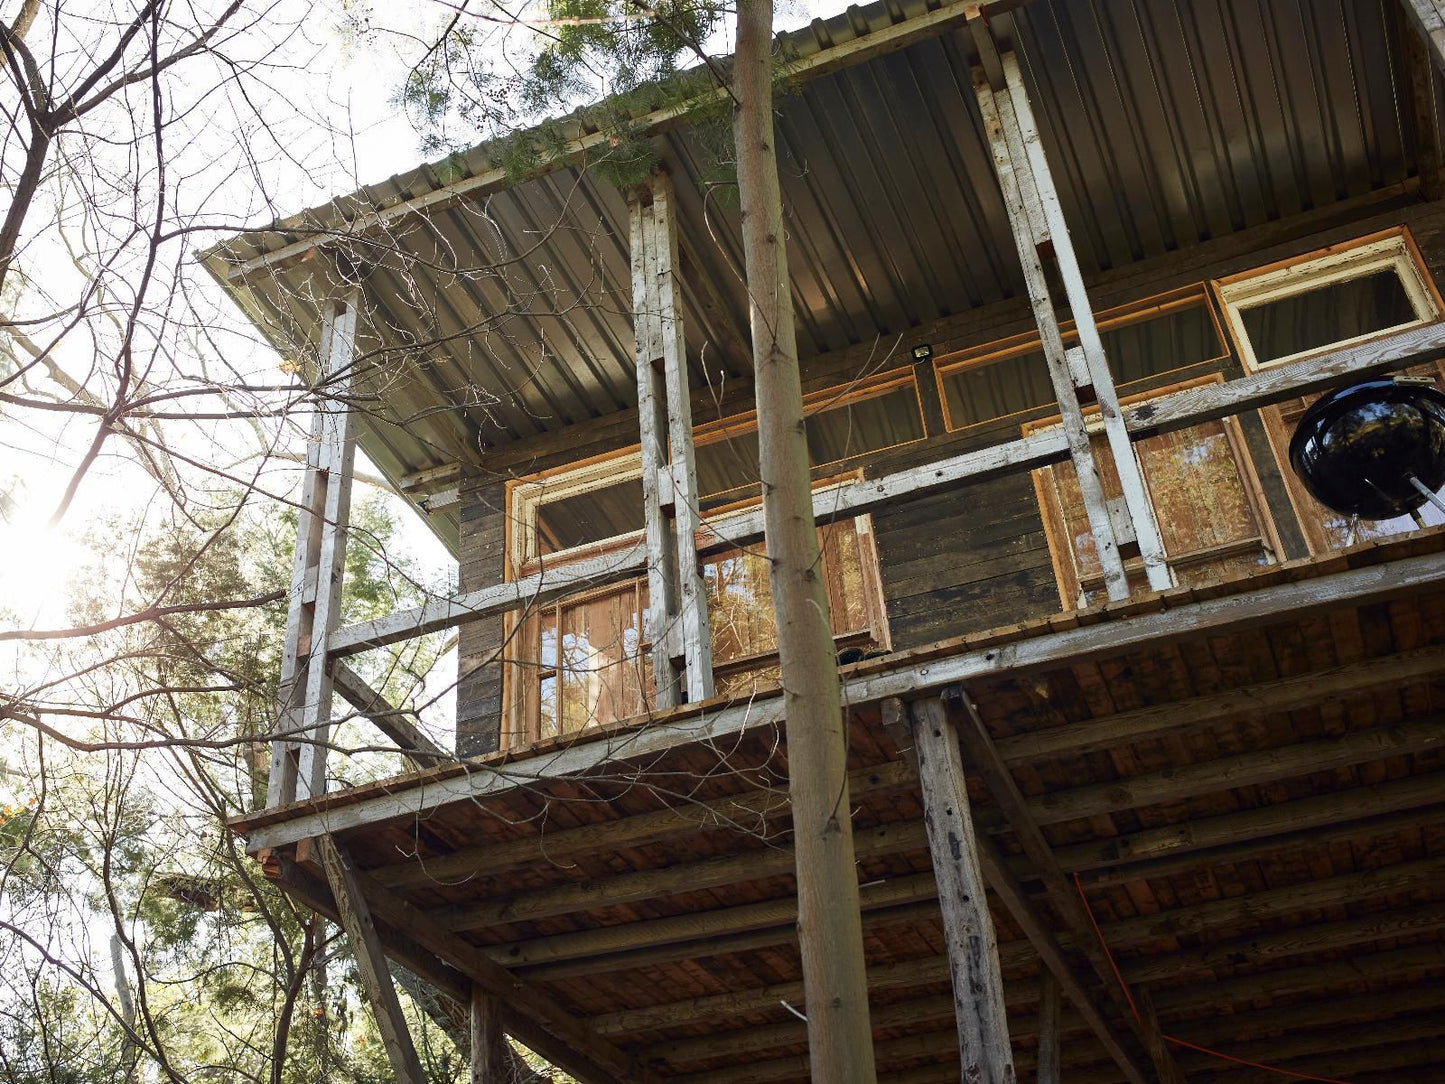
(1428, 20)
(1415, 52)
(1062, 893)
(1030, 237)
(371, 963)
(1048, 1065)
(983, 1042)
(298, 753)
(490, 1064)
(677, 609)
(686, 514)
(1145, 527)
(1042, 238)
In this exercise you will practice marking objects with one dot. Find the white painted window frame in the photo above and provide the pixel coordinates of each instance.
(1341, 263)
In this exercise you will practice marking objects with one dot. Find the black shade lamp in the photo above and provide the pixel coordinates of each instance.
(1374, 450)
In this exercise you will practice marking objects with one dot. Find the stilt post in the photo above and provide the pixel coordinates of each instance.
(1048, 1064)
(490, 1064)
(983, 1041)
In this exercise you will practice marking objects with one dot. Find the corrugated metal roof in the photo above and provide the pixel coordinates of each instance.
(501, 317)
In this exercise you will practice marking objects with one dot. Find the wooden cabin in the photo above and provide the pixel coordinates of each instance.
(1065, 277)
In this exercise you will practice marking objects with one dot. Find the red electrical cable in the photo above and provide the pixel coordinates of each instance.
(1129, 997)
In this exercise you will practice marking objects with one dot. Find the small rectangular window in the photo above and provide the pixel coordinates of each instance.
(1327, 299)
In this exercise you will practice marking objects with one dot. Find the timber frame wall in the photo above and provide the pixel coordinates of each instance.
(903, 488)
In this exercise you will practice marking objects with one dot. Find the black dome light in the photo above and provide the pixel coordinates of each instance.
(1374, 450)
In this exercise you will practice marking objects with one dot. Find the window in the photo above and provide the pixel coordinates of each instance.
(842, 423)
(586, 659)
(1204, 496)
(1141, 341)
(1322, 300)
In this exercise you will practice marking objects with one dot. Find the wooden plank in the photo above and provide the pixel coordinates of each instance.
(984, 758)
(693, 627)
(711, 723)
(969, 939)
(419, 750)
(490, 1064)
(371, 966)
(747, 811)
(1261, 766)
(1061, 248)
(895, 838)
(1282, 694)
(298, 755)
(1428, 20)
(661, 542)
(1264, 822)
(633, 944)
(1031, 234)
(1415, 50)
(1047, 1071)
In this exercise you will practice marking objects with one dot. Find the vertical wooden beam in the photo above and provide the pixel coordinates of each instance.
(662, 588)
(1048, 1063)
(371, 963)
(1415, 52)
(1136, 496)
(490, 1064)
(978, 1002)
(1026, 218)
(298, 753)
(687, 516)
(1428, 20)
(677, 610)
(1062, 893)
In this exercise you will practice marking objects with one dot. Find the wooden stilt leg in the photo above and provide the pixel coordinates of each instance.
(1048, 1065)
(371, 964)
(490, 1064)
(968, 928)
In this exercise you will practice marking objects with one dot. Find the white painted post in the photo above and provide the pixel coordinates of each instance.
(1031, 235)
(298, 754)
(687, 516)
(1136, 496)
(677, 611)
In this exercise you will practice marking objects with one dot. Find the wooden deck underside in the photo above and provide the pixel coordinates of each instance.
(1254, 810)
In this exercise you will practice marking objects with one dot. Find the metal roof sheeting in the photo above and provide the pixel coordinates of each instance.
(497, 318)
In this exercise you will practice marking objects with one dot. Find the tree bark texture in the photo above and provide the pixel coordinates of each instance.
(829, 930)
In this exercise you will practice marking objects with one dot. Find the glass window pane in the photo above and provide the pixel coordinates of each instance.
(727, 469)
(998, 389)
(1137, 348)
(865, 425)
(1170, 340)
(592, 516)
(1314, 319)
(740, 604)
(601, 660)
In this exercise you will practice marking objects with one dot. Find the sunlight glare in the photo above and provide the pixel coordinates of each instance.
(36, 562)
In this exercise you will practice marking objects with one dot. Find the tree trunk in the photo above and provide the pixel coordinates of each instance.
(829, 931)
